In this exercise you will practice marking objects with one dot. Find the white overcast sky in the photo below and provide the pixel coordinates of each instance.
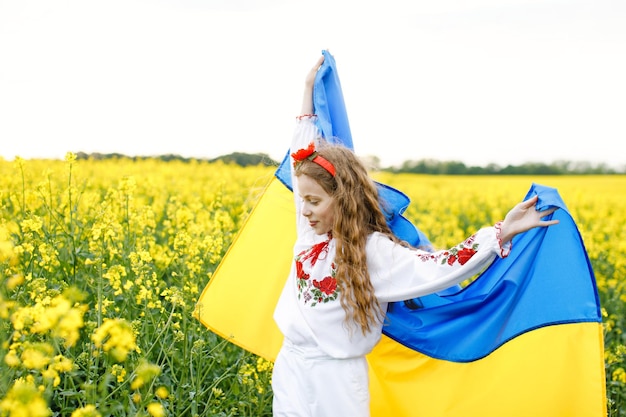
(477, 81)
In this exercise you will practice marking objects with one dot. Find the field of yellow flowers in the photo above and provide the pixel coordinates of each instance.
(102, 262)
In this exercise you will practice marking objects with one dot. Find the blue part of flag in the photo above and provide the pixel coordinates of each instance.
(330, 108)
(332, 122)
(394, 203)
(547, 279)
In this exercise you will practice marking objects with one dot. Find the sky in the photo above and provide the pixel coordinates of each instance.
(475, 81)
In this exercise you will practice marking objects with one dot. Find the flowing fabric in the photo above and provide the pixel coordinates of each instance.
(547, 280)
(524, 339)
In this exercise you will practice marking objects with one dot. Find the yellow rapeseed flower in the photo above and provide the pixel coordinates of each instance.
(69, 325)
(33, 224)
(24, 400)
(37, 355)
(144, 374)
(116, 337)
(55, 315)
(70, 157)
(59, 365)
(46, 317)
(263, 365)
(119, 372)
(62, 364)
(6, 306)
(19, 161)
(217, 392)
(156, 410)
(127, 185)
(49, 257)
(14, 280)
(247, 373)
(23, 317)
(114, 275)
(51, 375)
(6, 245)
(87, 411)
(162, 392)
(12, 359)
(38, 289)
(174, 295)
(619, 375)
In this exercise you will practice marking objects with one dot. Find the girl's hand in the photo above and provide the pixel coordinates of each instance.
(310, 78)
(307, 98)
(524, 216)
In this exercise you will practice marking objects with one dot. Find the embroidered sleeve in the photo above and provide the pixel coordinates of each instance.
(400, 273)
(460, 253)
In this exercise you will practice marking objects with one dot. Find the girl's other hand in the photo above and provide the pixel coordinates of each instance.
(525, 216)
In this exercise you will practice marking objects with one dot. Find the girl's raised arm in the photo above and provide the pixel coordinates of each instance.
(307, 98)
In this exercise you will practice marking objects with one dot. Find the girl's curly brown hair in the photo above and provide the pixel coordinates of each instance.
(357, 215)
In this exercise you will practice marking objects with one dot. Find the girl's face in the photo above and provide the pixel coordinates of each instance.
(317, 206)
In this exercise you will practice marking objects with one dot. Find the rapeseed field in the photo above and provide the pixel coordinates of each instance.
(102, 262)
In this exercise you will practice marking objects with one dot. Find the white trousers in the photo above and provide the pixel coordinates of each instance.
(307, 383)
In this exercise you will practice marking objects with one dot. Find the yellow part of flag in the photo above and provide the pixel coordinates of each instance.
(555, 371)
(238, 302)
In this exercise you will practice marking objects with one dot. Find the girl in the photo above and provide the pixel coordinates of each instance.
(347, 267)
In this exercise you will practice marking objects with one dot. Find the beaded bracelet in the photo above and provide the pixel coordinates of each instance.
(302, 116)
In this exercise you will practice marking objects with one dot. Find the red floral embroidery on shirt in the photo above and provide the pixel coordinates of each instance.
(461, 253)
(328, 285)
(325, 290)
(316, 251)
(301, 275)
(465, 254)
(300, 271)
(315, 291)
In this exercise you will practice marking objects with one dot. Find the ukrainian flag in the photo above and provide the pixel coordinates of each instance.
(524, 339)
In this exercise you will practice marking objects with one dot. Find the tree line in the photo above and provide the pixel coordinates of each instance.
(433, 167)
(238, 158)
(423, 166)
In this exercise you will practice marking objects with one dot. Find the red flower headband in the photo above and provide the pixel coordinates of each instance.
(311, 154)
